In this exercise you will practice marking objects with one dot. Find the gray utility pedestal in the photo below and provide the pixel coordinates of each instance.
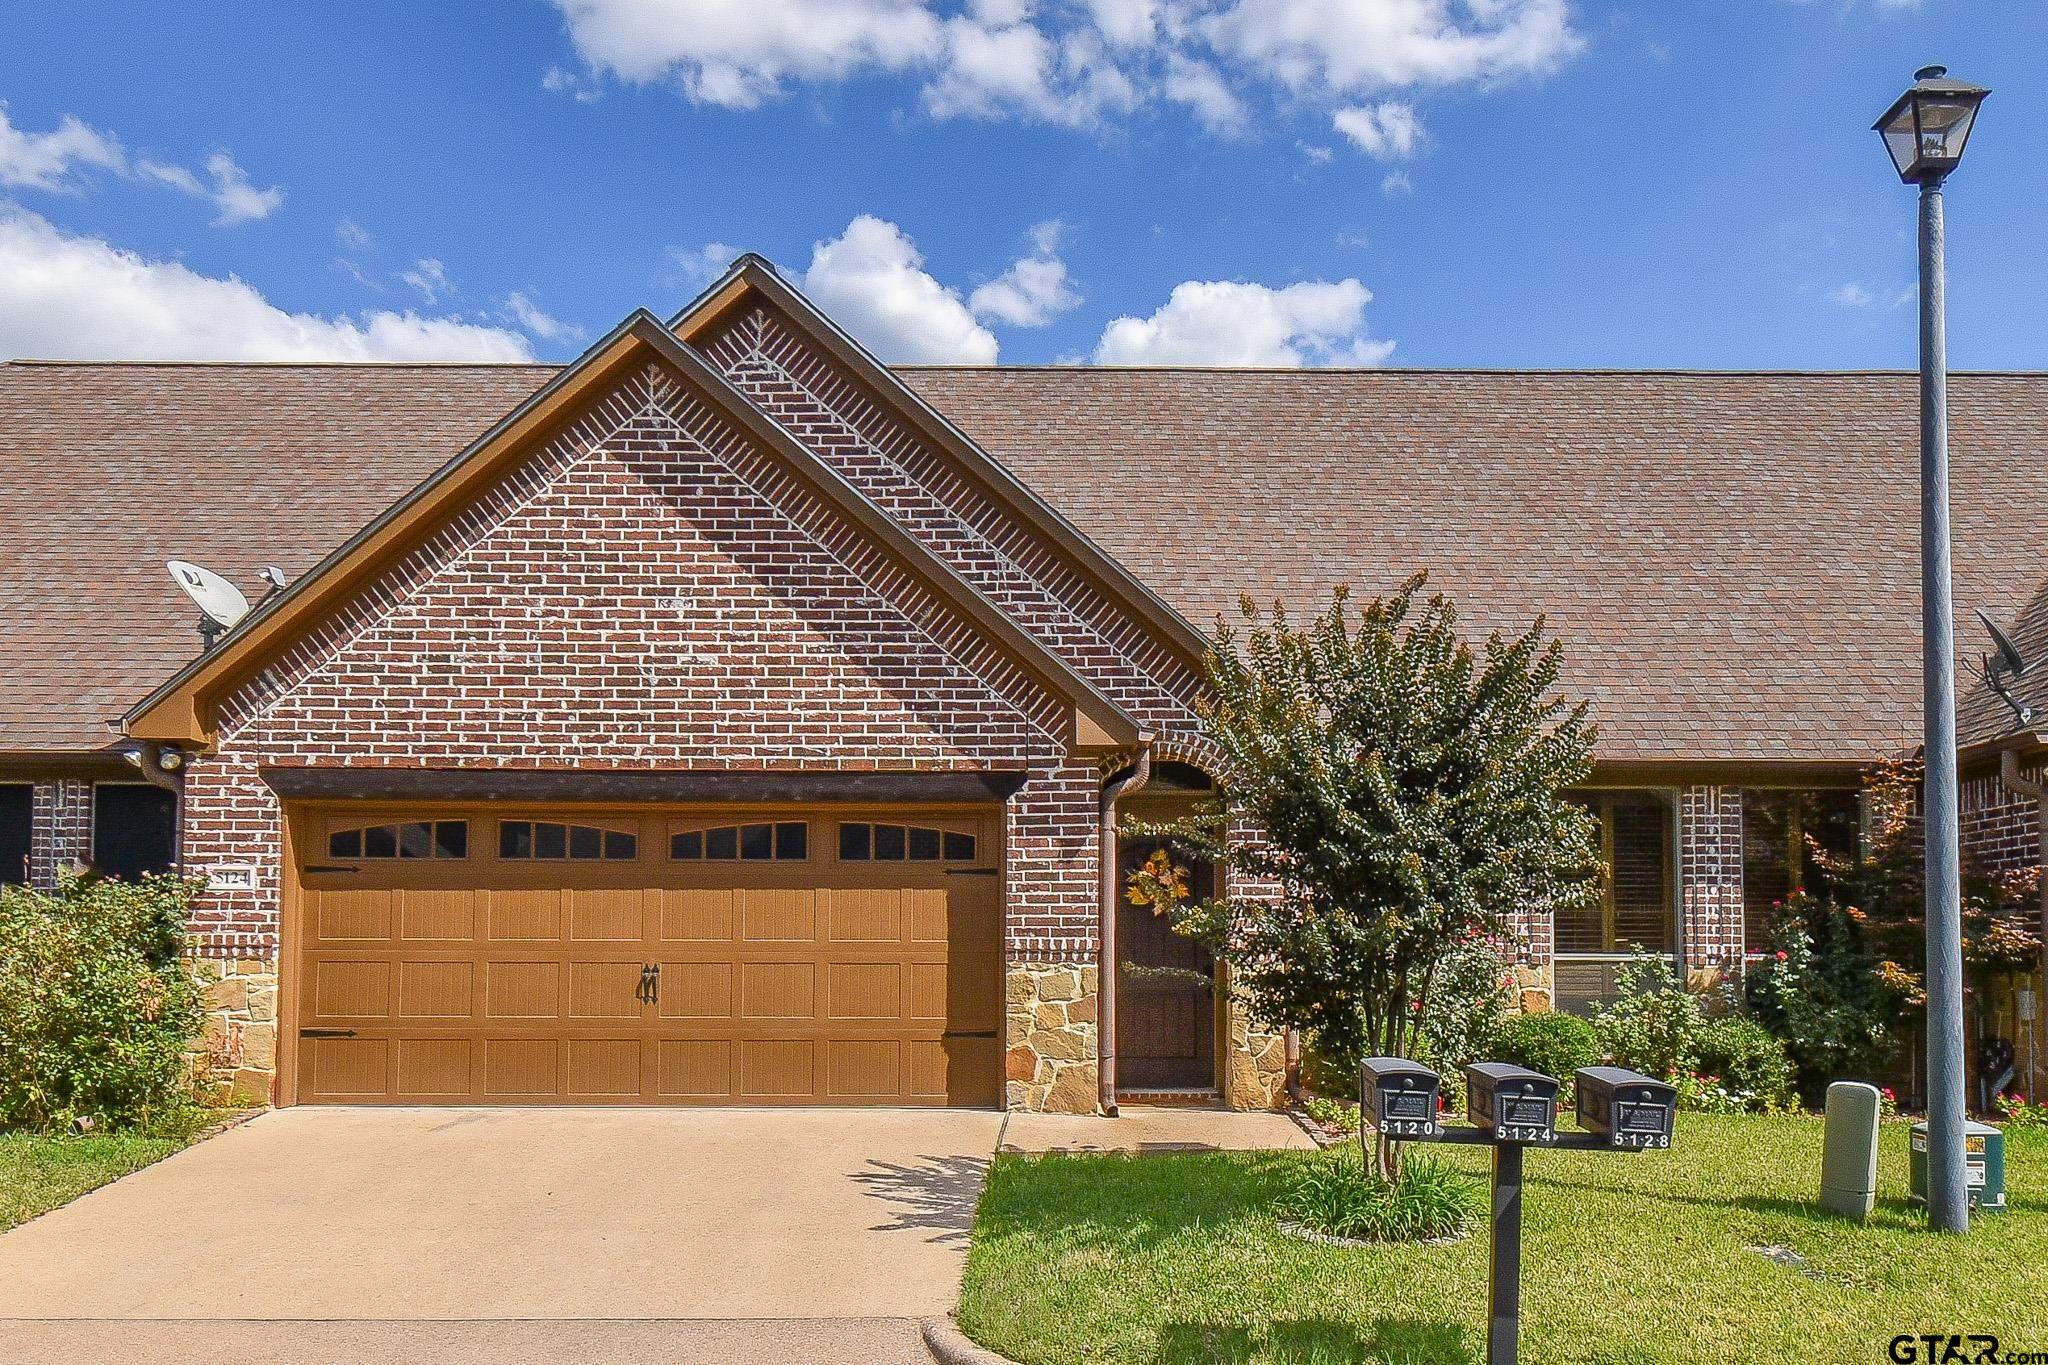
(1848, 1163)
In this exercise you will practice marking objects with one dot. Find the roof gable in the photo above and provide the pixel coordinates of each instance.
(182, 709)
(753, 279)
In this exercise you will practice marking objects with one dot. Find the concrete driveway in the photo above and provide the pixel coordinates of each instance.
(708, 1233)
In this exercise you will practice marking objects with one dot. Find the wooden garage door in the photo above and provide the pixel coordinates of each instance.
(535, 956)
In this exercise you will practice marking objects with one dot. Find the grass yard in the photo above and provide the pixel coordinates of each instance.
(39, 1173)
(1627, 1260)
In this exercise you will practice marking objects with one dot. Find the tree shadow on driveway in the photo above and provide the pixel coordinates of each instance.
(932, 1194)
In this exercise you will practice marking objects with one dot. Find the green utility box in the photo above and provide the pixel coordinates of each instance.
(1984, 1162)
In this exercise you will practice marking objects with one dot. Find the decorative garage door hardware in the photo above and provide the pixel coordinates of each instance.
(650, 984)
(1511, 1109)
(327, 1033)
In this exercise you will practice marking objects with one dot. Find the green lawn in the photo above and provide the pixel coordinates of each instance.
(1627, 1259)
(39, 1173)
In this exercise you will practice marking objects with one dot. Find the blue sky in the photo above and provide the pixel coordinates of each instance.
(1414, 182)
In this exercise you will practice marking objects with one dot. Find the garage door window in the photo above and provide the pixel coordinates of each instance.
(523, 840)
(860, 843)
(407, 839)
(786, 841)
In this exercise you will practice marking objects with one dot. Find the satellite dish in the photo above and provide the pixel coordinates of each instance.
(221, 600)
(2010, 660)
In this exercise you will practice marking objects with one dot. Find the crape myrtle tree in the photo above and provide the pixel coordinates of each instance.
(1389, 796)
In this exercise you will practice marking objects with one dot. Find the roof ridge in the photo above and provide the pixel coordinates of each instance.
(39, 362)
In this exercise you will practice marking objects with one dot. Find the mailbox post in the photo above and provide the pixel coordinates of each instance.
(1513, 1109)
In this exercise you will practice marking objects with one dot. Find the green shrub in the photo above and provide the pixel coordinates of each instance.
(1337, 1193)
(1339, 1115)
(1656, 1025)
(1829, 994)
(97, 1004)
(1750, 1063)
(1553, 1043)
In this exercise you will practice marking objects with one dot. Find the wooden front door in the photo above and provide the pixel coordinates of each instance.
(1166, 1004)
(537, 956)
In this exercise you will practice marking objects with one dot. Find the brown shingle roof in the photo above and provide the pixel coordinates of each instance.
(106, 471)
(1731, 558)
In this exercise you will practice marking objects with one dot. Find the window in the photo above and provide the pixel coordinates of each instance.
(860, 843)
(1635, 906)
(410, 839)
(134, 829)
(522, 840)
(17, 823)
(785, 841)
(1779, 831)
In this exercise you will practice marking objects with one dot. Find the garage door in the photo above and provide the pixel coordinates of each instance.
(505, 955)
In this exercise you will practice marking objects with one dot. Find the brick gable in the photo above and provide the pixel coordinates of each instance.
(778, 364)
(650, 590)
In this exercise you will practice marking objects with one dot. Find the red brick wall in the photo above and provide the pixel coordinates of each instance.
(652, 591)
(1999, 825)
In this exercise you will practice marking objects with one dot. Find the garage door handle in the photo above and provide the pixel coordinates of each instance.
(969, 1033)
(972, 871)
(327, 1033)
(650, 984)
(322, 867)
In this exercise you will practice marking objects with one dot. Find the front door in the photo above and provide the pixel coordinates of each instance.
(1166, 1004)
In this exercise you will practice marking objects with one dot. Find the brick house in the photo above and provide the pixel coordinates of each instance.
(728, 718)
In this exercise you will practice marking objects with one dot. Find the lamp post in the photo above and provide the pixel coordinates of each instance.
(1924, 131)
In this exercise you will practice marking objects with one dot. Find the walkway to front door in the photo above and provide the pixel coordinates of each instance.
(414, 1215)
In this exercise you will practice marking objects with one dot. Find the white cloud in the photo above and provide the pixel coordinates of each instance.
(1125, 23)
(64, 296)
(1315, 152)
(1229, 323)
(1201, 87)
(1363, 45)
(1075, 62)
(529, 315)
(1034, 290)
(45, 161)
(738, 53)
(990, 71)
(1396, 182)
(351, 235)
(1388, 131)
(700, 265)
(871, 280)
(232, 196)
(429, 277)
(1852, 295)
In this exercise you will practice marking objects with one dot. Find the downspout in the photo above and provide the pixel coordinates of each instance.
(1105, 973)
(2009, 774)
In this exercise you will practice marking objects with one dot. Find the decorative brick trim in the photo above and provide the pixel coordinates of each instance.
(60, 829)
(1710, 877)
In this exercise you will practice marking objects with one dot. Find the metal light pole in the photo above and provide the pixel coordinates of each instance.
(1925, 130)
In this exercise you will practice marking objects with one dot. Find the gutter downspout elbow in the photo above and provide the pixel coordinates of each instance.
(1106, 959)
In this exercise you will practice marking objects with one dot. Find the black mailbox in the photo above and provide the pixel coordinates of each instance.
(1515, 1103)
(1627, 1108)
(1400, 1096)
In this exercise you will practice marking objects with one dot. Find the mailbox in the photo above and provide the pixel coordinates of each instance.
(1399, 1096)
(1513, 1102)
(1631, 1110)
